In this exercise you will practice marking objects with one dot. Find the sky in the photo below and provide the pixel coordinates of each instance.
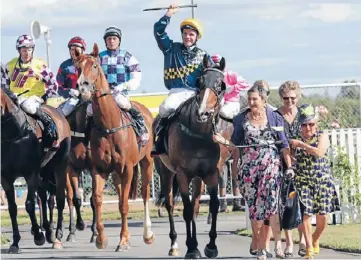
(313, 42)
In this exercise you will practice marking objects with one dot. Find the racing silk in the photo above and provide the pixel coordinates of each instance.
(120, 67)
(182, 66)
(67, 77)
(34, 76)
(5, 80)
(236, 85)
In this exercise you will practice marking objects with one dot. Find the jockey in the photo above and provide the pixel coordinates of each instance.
(31, 74)
(236, 88)
(182, 67)
(122, 71)
(68, 75)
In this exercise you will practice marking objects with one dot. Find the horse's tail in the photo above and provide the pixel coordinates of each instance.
(164, 173)
(133, 194)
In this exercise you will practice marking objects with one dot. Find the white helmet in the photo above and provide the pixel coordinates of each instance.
(25, 41)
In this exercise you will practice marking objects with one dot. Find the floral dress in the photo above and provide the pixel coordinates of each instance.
(260, 173)
(314, 182)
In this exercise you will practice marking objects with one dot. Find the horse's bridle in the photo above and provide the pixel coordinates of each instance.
(215, 89)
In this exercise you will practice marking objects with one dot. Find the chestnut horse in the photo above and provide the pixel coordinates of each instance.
(22, 156)
(114, 148)
(193, 155)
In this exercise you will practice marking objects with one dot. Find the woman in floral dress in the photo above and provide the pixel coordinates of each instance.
(261, 167)
(313, 179)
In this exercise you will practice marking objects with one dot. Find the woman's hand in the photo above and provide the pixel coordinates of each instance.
(296, 143)
(218, 138)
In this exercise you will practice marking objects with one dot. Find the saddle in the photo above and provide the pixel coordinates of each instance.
(20, 126)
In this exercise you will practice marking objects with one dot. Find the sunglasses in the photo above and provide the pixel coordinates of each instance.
(287, 98)
(308, 124)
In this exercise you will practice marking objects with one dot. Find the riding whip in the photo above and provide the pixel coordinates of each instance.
(166, 8)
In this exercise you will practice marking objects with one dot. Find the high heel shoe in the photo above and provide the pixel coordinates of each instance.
(309, 253)
(316, 247)
(279, 254)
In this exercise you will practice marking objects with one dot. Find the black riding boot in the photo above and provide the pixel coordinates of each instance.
(143, 131)
(50, 131)
(159, 146)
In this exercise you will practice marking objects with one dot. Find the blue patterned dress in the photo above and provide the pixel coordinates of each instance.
(314, 182)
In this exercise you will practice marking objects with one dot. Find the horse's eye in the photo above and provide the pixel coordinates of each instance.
(95, 66)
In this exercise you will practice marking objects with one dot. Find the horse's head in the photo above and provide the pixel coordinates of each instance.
(212, 89)
(7, 105)
(89, 71)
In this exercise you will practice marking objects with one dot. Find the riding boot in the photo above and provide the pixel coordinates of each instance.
(50, 130)
(159, 146)
(88, 128)
(143, 131)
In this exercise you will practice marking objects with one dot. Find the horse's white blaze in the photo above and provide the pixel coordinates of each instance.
(203, 105)
(147, 223)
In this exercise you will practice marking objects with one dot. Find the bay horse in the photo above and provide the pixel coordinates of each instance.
(20, 138)
(114, 148)
(193, 155)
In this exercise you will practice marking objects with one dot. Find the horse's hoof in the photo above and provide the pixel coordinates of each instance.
(149, 240)
(174, 252)
(57, 244)
(80, 225)
(101, 245)
(71, 238)
(193, 255)
(50, 236)
(39, 239)
(210, 253)
(122, 248)
(14, 250)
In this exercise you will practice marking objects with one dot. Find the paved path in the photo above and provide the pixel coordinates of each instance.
(230, 246)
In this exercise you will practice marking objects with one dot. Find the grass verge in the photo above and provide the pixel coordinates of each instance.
(346, 238)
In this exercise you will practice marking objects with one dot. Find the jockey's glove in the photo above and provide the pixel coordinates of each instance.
(74, 92)
(121, 87)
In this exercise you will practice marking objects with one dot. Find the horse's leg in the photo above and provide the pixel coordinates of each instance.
(99, 180)
(146, 165)
(51, 206)
(41, 211)
(77, 201)
(237, 203)
(13, 212)
(60, 175)
(211, 250)
(126, 179)
(196, 195)
(42, 195)
(188, 216)
(93, 229)
(33, 180)
(69, 197)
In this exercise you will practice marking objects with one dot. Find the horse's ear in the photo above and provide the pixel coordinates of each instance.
(95, 52)
(222, 64)
(206, 61)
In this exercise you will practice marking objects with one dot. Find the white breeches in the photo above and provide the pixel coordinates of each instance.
(119, 98)
(69, 106)
(30, 104)
(175, 97)
(230, 109)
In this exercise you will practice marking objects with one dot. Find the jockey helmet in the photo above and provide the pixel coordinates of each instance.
(112, 31)
(78, 42)
(193, 24)
(25, 41)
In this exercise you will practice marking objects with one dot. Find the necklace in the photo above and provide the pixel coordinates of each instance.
(257, 117)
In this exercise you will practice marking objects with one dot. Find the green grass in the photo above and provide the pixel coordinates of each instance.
(345, 238)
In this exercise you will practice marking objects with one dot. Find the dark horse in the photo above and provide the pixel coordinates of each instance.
(192, 154)
(20, 139)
